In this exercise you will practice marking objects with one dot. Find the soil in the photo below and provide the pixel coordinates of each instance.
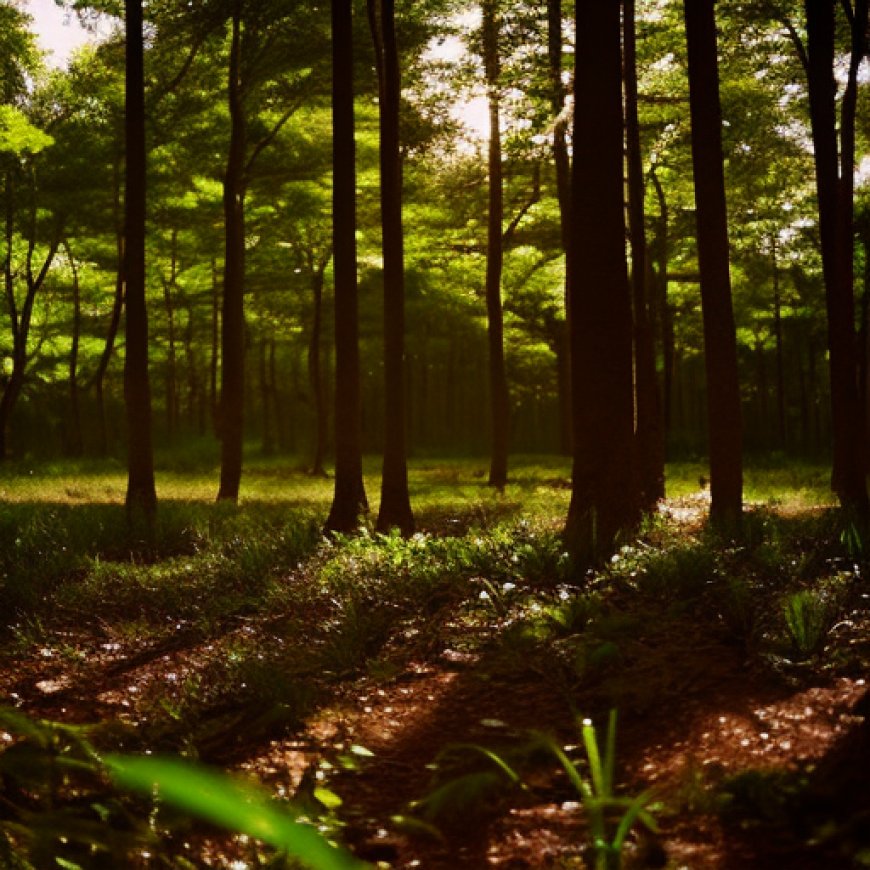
(694, 710)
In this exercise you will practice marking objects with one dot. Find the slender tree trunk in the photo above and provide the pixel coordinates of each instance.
(562, 162)
(780, 362)
(171, 363)
(724, 426)
(315, 378)
(666, 318)
(864, 334)
(232, 400)
(99, 379)
(650, 439)
(141, 493)
(498, 387)
(603, 501)
(349, 500)
(75, 443)
(215, 349)
(834, 184)
(395, 506)
(266, 405)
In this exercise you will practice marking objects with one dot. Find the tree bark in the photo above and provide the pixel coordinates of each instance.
(834, 184)
(649, 434)
(724, 424)
(603, 502)
(562, 162)
(232, 400)
(498, 387)
(395, 507)
(349, 499)
(141, 492)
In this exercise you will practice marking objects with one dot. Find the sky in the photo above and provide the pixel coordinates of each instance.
(57, 30)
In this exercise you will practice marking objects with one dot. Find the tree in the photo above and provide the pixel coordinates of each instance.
(232, 401)
(720, 343)
(349, 499)
(834, 186)
(650, 435)
(603, 492)
(395, 507)
(498, 387)
(141, 492)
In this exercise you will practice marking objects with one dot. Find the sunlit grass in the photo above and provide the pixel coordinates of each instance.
(539, 485)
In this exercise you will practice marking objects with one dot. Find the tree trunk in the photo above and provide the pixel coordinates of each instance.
(724, 425)
(214, 357)
(349, 500)
(650, 440)
(74, 440)
(603, 491)
(395, 506)
(498, 387)
(562, 162)
(666, 318)
(232, 400)
(315, 378)
(834, 187)
(171, 362)
(141, 493)
(780, 362)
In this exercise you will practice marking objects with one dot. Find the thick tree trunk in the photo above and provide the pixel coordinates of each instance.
(498, 387)
(232, 400)
(835, 229)
(141, 493)
(395, 506)
(349, 500)
(649, 433)
(724, 426)
(603, 502)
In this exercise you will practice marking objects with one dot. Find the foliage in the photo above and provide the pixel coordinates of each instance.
(609, 816)
(59, 810)
(229, 803)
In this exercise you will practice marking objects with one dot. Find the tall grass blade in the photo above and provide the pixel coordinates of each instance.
(228, 803)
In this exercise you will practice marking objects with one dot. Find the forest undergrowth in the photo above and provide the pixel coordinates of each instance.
(421, 700)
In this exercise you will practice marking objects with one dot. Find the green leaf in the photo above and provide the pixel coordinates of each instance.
(224, 801)
(327, 797)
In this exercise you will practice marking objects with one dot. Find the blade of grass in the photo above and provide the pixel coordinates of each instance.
(223, 801)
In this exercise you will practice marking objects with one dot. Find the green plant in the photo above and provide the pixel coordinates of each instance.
(476, 772)
(808, 618)
(229, 803)
(598, 795)
(58, 808)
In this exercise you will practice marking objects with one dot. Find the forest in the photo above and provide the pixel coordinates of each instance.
(435, 435)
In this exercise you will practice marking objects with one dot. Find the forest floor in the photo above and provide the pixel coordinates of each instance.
(748, 729)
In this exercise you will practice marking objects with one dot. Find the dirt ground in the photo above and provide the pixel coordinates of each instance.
(693, 711)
